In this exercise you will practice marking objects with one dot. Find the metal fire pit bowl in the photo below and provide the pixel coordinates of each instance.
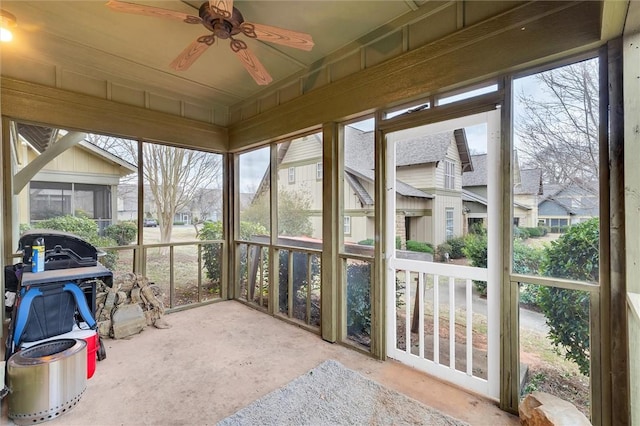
(46, 380)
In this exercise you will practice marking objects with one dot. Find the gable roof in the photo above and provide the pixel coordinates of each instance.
(530, 182)
(402, 188)
(472, 197)
(530, 179)
(433, 148)
(359, 158)
(478, 176)
(127, 167)
(565, 195)
(418, 150)
(40, 138)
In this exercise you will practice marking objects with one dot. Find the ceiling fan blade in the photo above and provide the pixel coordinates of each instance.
(189, 55)
(254, 66)
(278, 35)
(222, 8)
(138, 9)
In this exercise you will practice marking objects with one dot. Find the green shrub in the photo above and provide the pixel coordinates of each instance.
(110, 259)
(212, 253)
(457, 246)
(475, 250)
(540, 231)
(575, 255)
(526, 259)
(24, 227)
(367, 242)
(249, 229)
(299, 277)
(419, 246)
(85, 228)
(358, 299)
(521, 233)
(81, 225)
(477, 228)
(370, 242)
(124, 233)
(529, 295)
(178, 223)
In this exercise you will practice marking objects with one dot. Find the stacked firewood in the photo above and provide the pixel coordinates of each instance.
(128, 306)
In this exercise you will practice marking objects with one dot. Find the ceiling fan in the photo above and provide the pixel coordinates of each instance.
(225, 22)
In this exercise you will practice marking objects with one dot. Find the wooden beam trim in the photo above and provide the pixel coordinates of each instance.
(48, 105)
(22, 178)
(429, 68)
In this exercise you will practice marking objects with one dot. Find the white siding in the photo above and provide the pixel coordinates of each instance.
(304, 149)
(442, 202)
(419, 176)
(452, 155)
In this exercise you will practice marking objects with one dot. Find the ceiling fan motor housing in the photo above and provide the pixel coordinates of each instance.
(222, 28)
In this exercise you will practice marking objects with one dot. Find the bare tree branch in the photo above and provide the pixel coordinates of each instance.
(174, 178)
(557, 128)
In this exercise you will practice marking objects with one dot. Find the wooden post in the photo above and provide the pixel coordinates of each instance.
(331, 267)
(631, 77)
(618, 394)
(509, 339)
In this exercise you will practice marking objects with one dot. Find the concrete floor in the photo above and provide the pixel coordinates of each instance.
(219, 358)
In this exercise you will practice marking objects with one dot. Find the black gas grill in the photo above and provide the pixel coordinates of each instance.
(51, 301)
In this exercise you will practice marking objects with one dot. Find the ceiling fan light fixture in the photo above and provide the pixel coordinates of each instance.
(224, 22)
(7, 21)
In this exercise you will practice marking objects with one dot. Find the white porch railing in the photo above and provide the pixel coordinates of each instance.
(435, 302)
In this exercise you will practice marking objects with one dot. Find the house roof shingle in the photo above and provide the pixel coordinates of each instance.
(576, 198)
(412, 151)
(359, 156)
(530, 182)
(477, 177)
(530, 179)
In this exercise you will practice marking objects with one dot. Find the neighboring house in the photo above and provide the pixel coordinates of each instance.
(67, 179)
(567, 204)
(527, 189)
(428, 183)
(205, 205)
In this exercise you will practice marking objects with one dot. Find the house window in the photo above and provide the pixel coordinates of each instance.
(319, 171)
(292, 175)
(347, 225)
(449, 174)
(448, 226)
(558, 225)
(53, 199)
